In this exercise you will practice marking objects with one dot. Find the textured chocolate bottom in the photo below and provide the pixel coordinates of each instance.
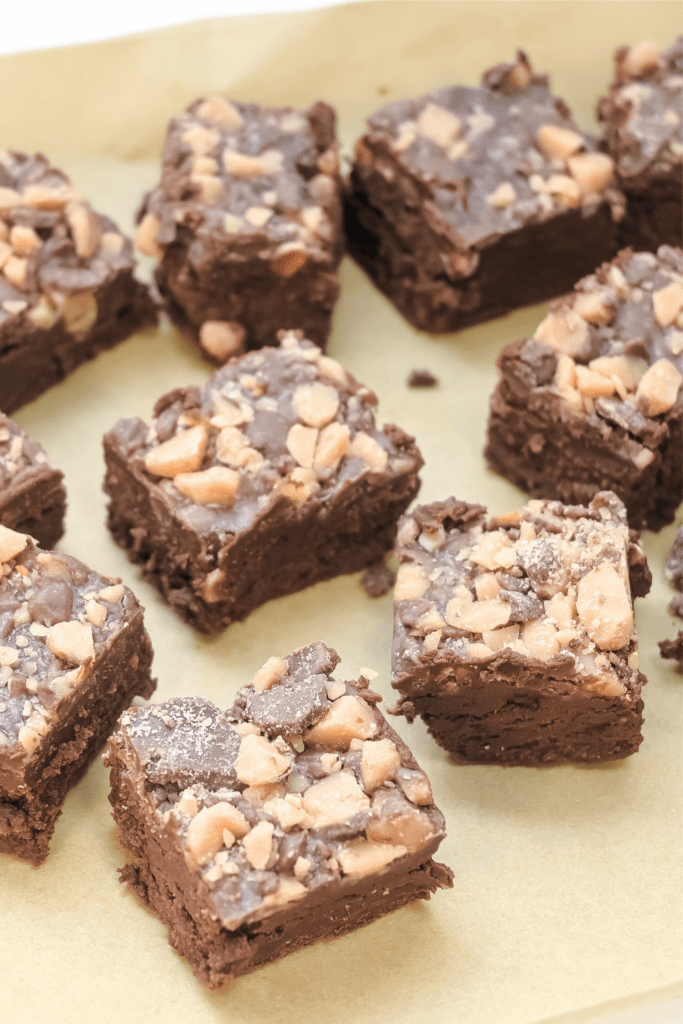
(37, 507)
(654, 212)
(27, 821)
(523, 267)
(33, 359)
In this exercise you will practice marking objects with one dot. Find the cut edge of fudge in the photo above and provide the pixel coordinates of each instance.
(32, 492)
(74, 653)
(674, 570)
(246, 223)
(460, 213)
(513, 638)
(271, 478)
(593, 401)
(298, 814)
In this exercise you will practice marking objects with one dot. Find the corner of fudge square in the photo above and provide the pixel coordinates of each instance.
(32, 492)
(513, 636)
(299, 814)
(469, 202)
(594, 401)
(73, 654)
(246, 223)
(270, 478)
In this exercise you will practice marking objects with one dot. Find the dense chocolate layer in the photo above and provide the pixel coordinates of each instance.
(674, 570)
(32, 493)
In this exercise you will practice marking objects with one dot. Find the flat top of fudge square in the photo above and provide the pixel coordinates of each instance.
(615, 346)
(282, 425)
(545, 585)
(20, 456)
(300, 785)
(55, 250)
(492, 158)
(57, 617)
(259, 178)
(643, 114)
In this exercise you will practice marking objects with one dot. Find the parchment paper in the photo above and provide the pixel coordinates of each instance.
(567, 880)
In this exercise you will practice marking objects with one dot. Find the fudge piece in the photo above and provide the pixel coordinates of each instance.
(270, 478)
(73, 654)
(469, 202)
(674, 570)
(297, 815)
(32, 494)
(67, 290)
(643, 133)
(594, 402)
(513, 638)
(246, 222)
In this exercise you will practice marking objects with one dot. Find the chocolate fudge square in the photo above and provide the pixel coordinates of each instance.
(32, 492)
(67, 290)
(297, 815)
(469, 202)
(593, 401)
(271, 477)
(642, 120)
(674, 570)
(513, 637)
(247, 224)
(73, 654)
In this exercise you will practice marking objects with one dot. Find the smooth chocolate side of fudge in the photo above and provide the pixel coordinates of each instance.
(32, 492)
(271, 478)
(469, 202)
(298, 814)
(643, 133)
(674, 570)
(513, 638)
(67, 290)
(247, 224)
(594, 401)
(73, 654)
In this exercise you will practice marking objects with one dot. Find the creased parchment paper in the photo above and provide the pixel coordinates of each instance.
(567, 889)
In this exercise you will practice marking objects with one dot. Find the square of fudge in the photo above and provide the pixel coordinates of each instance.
(297, 815)
(513, 637)
(246, 222)
(469, 202)
(73, 654)
(674, 570)
(642, 120)
(32, 492)
(271, 477)
(594, 401)
(67, 290)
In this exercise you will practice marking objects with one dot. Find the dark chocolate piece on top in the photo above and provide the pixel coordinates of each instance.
(32, 492)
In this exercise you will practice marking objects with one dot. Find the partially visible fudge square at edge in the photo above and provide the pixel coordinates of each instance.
(67, 290)
(642, 121)
(513, 637)
(297, 815)
(246, 222)
(270, 478)
(32, 492)
(594, 400)
(73, 654)
(469, 202)
(674, 570)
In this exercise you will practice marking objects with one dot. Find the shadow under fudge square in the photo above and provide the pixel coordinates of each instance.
(594, 401)
(270, 478)
(468, 202)
(642, 120)
(73, 654)
(297, 815)
(514, 637)
(247, 224)
(32, 492)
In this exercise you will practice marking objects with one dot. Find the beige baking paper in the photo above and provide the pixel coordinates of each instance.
(567, 889)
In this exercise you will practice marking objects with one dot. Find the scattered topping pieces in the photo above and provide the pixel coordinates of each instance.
(259, 762)
(71, 641)
(216, 485)
(348, 718)
(181, 454)
(222, 339)
(271, 673)
(604, 607)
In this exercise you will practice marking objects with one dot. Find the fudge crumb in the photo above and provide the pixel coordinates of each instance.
(422, 379)
(377, 580)
(673, 649)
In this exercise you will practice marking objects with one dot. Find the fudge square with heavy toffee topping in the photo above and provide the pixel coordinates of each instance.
(643, 132)
(297, 815)
(469, 202)
(270, 478)
(247, 223)
(73, 654)
(32, 492)
(674, 570)
(67, 290)
(594, 401)
(513, 638)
